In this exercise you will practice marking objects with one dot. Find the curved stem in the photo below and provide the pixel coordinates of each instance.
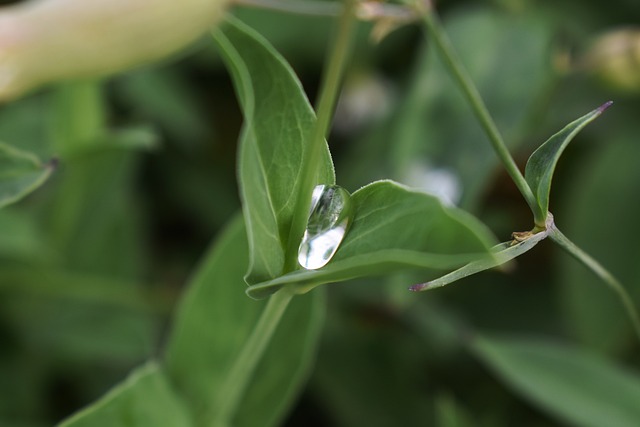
(307, 7)
(239, 377)
(462, 79)
(601, 272)
(328, 95)
(365, 10)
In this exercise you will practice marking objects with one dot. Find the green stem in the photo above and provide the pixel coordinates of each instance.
(601, 272)
(365, 11)
(78, 116)
(307, 7)
(324, 111)
(463, 80)
(239, 377)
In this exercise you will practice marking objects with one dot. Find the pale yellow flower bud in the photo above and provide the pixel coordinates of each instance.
(43, 41)
(615, 58)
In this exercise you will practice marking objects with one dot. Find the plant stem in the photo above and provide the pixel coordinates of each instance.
(310, 163)
(242, 371)
(601, 272)
(307, 7)
(461, 77)
(78, 116)
(365, 10)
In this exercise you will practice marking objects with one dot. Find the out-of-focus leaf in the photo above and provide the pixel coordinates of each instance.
(144, 399)
(601, 210)
(95, 202)
(212, 325)
(20, 236)
(79, 331)
(21, 173)
(273, 145)
(395, 227)
(434, 128)
(368, 361)
(449, 413)
(569, 383)
(278, 126)
(133, 138)
(164, 97)
(500, 254)
(542, 163)
(24, 122)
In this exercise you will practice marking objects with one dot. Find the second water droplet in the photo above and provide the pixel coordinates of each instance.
(329, 220)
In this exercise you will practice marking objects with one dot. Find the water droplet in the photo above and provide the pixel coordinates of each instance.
(329, 218)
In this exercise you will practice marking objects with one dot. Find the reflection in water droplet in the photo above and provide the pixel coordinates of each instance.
(329, 219)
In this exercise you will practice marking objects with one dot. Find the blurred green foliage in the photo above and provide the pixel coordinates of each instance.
(92, 264)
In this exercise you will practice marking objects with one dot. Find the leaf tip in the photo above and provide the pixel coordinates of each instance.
(604, 106)
(52, 164)
(419, 287)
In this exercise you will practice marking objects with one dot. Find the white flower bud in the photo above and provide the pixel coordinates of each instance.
(43, 41)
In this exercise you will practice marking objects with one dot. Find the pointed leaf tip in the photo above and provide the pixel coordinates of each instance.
(541, 165)
(604, 106)
(419, 287)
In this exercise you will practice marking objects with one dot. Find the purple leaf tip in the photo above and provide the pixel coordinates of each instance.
(52, 163)
(604, 106)
(419, 287)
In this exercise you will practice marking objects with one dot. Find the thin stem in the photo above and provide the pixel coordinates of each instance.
(366, 10)
(601, 272)
(78, 116)
(239, 377)
(324, 110)
(463, 80)
(307, 7)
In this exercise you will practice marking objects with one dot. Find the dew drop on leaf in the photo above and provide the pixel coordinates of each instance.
(329, 219)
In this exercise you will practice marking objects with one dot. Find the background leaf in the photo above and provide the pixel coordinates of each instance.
(20, 173)
(601, 208)
(214, 321)
(278, 124)
(380, 239)
(542, 163)
(572, 384)
(143, 399)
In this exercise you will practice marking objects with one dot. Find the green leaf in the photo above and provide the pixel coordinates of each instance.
(95, 201)
(20, 173)
(542, 163)
(571, 384)
(394, 227)
(213, 323)
(143, 399)
(500, 254)
(278, 124)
